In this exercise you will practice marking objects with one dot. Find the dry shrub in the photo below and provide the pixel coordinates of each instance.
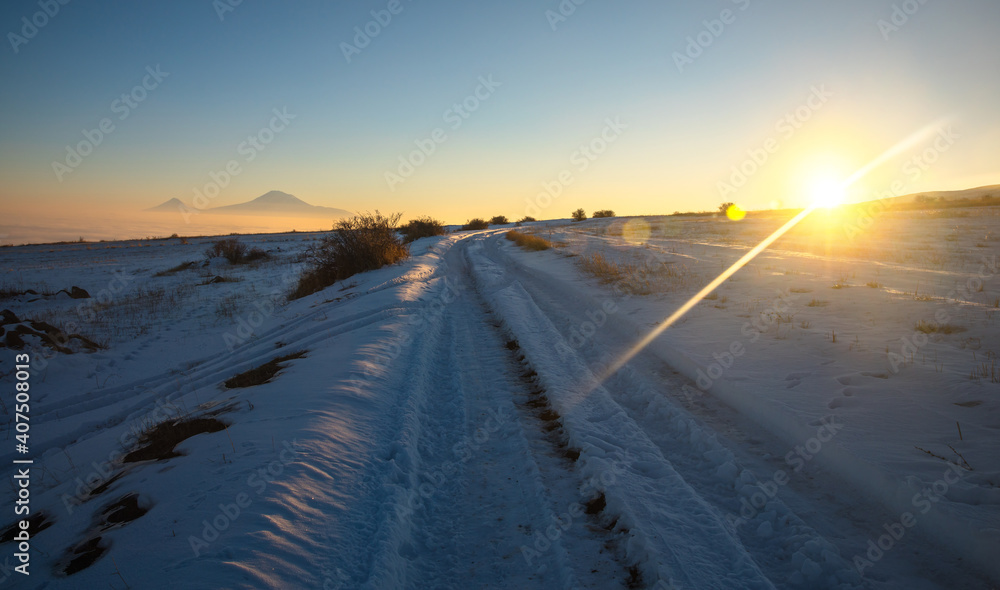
(234, 251)
(230, 248)
(423, 227)
(476, 223)
(364, 242)
(528, 241)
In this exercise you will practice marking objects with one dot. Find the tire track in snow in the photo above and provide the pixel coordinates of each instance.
(140, 397)
(790, 551)
(675, 537)
(466, 486)
(566, 536)
(301, 329)
(796, 536)
(598, 555)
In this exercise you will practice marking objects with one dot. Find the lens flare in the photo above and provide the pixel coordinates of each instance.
(831, 189)
(735, 213)
(636, 231)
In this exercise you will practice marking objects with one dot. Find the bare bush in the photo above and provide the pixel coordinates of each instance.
(364, 242)
(476, 223)
(234, 251)
(231, 249)
(423, 227)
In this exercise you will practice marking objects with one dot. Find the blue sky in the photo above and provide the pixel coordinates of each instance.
(684, 130)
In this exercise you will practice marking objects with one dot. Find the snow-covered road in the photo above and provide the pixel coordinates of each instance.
(521, 470)
(450, 426)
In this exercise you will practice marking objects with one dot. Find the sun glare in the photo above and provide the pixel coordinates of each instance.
(827, 193)
(822, 179)
(827, 190)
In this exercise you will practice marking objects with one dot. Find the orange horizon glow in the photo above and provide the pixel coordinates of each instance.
(806, 179)
(839, 187)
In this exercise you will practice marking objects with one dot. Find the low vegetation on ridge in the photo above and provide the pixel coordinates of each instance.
(361, 243)
(528, 241)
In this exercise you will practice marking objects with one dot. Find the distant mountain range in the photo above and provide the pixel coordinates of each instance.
(274, 203)
(969, 193)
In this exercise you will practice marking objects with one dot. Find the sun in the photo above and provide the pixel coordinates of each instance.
(822, 180)
(827, 192)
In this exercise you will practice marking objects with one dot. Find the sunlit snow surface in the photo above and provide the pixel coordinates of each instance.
(447, 428)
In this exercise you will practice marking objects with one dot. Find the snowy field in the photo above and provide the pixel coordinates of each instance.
(829, 417)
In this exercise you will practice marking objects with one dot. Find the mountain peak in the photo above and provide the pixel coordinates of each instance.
(277, 197)
(170, 205)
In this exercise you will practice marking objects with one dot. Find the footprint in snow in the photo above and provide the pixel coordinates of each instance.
(848, 399)
(860, 378)
(794, 379)
(847, 379)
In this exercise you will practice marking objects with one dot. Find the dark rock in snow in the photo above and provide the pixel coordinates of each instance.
(14, 341)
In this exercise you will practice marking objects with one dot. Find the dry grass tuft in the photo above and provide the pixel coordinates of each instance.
(936, 328)
(528, 241)
(636, 279)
